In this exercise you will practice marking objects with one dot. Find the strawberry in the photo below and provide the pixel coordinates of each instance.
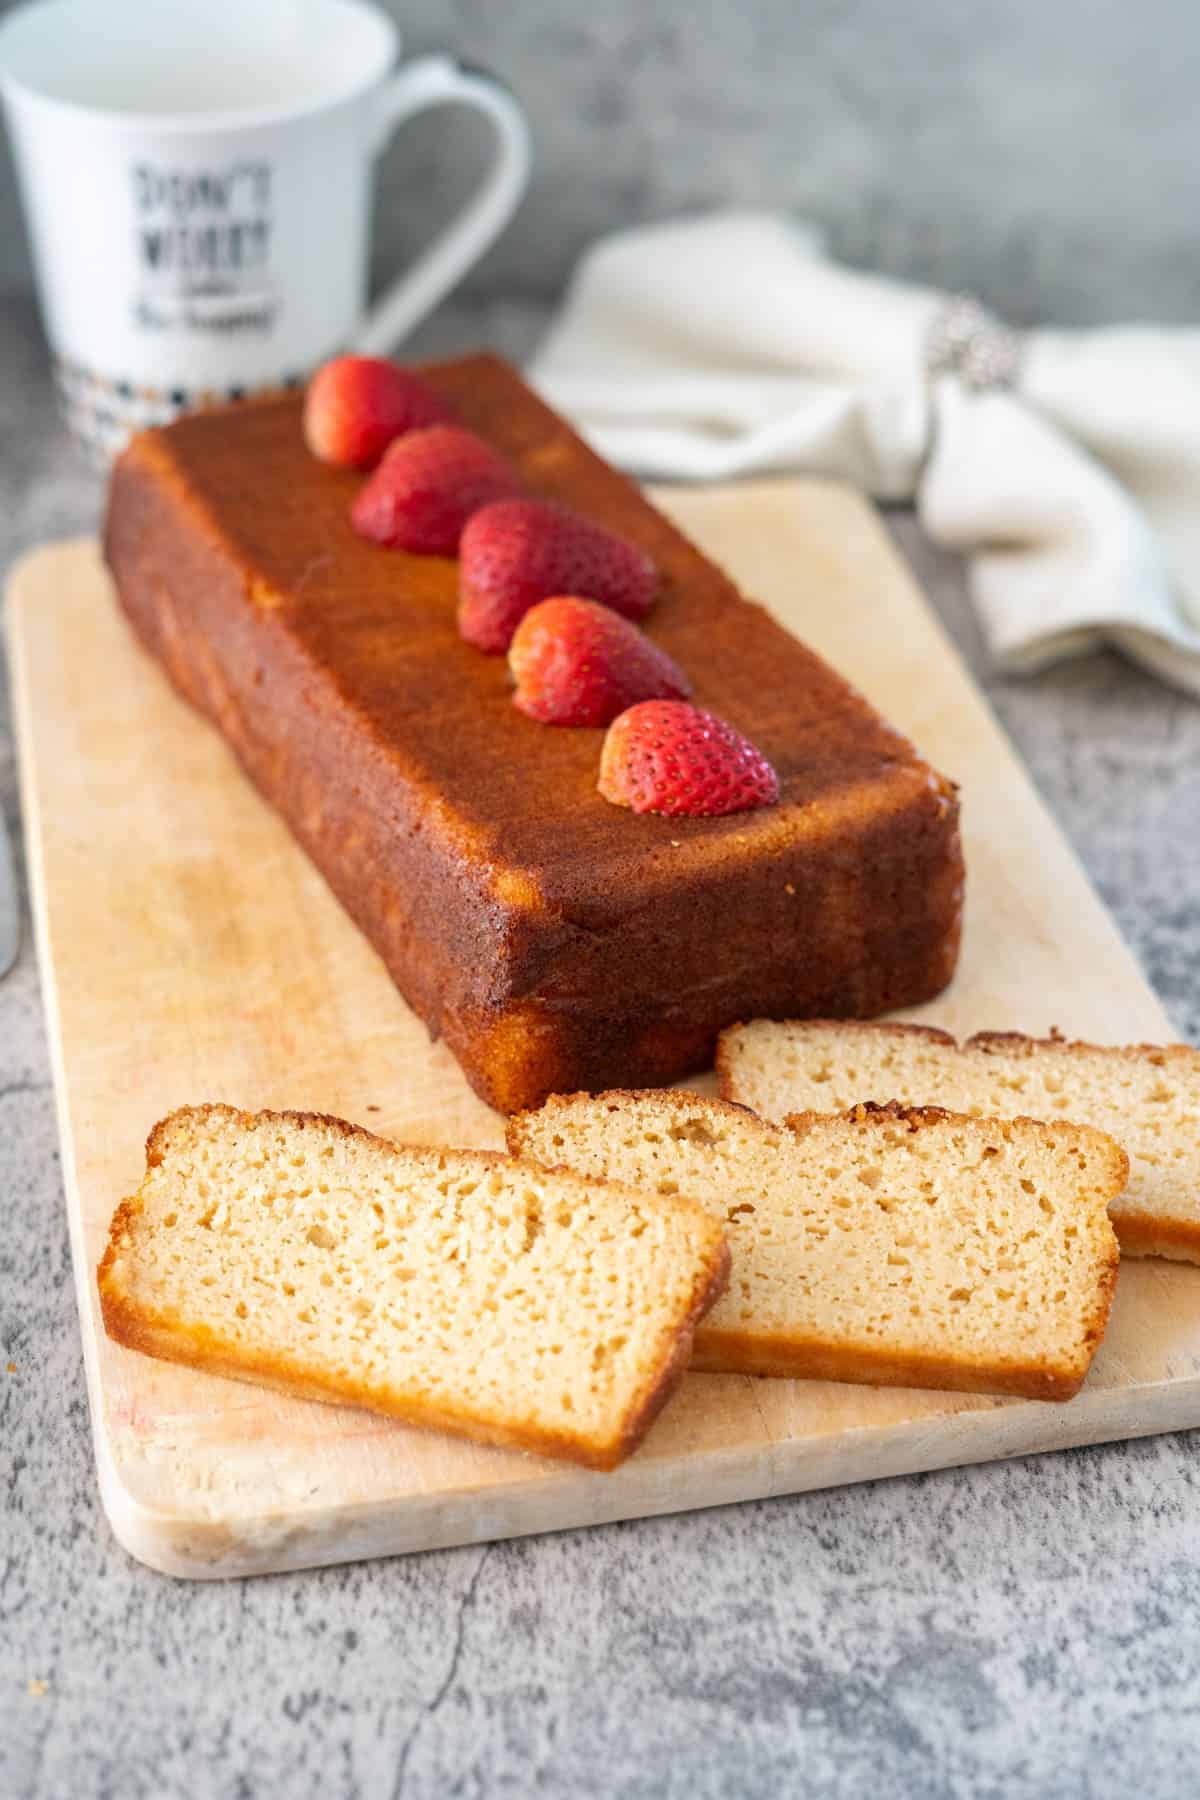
(577, 663)
(518, 552)
(426, 488)
(356, 405)
(667, 757)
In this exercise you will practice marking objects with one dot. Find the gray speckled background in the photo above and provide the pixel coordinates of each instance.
(1026, 1629)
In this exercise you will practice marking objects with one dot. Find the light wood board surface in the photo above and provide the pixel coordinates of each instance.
(190, 952)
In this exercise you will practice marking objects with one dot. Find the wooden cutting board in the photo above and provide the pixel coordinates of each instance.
(190, 952)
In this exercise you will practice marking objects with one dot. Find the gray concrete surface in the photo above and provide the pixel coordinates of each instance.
(1043, 154)
(1026, 1629)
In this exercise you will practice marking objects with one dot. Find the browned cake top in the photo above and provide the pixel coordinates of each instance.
(519, 795)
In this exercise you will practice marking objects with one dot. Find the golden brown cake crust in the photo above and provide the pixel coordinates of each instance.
(728, 1352)
(555, 941)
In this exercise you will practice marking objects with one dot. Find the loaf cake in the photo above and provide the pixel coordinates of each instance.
(554, 941)
(912, 1247)
(453, 1289)
(1146, 1095)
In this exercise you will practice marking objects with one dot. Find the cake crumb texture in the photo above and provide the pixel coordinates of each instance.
(1146, 1095)
(907, 1246)
(454, 1289)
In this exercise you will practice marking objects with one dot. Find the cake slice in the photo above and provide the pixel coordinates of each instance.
(555, 941)
(913, 1247)
(1147, 1096)
(446, 1288)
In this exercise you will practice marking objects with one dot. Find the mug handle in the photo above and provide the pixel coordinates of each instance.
(437, 81)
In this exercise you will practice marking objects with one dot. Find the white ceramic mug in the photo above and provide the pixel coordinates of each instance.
(197, 179)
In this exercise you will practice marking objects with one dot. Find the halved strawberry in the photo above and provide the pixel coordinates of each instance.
(664, 756)
(577, 663)
(356, 405)
(427, 487)
(518, 552)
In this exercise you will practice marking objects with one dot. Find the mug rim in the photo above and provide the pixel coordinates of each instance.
(212, 120)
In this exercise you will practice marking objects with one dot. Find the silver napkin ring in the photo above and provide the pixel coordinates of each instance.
(966, 340)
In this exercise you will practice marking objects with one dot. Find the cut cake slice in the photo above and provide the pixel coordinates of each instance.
(1146, 1095)
(452, 1289)
(914, 1247)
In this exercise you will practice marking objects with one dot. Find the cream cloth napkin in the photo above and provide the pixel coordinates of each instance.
(731, 345)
